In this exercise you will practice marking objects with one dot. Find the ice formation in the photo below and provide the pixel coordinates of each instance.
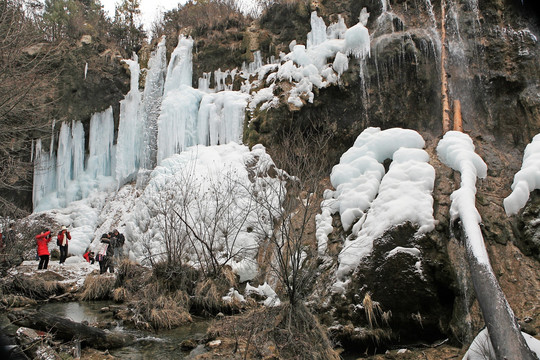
(152, 96)
(370, 201)
(526, 180)
(456, 150)
(130, 130)
(215, 194)
(170, 116)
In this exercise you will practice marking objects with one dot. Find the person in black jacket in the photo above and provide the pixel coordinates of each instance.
(118, 240)
(105, 255)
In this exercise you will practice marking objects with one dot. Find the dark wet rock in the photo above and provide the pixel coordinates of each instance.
(400, 293)
(527, 227)
(188, 345)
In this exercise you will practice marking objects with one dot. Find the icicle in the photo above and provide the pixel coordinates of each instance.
(77, 149)
(51, 149)
(153, 92)
(317, 35)
(130, 131)
(180, 70)
(63, 159)
(101, 144)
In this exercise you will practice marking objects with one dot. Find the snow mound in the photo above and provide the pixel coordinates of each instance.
(370, 201)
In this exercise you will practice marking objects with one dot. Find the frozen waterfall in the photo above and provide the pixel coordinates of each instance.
(167, 117)
(170, 115)
(130, 129)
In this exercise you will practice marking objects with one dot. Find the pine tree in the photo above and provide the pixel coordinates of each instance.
(127, 29)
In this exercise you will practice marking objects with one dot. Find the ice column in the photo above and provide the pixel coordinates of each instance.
(180, 69)
(101, 144)
(177, 122)
(44, 174)
(63, 159)
(153, 92)
(77, 149)
(317, 35)
(130, 136)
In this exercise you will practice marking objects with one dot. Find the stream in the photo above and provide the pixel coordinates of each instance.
(162, 345)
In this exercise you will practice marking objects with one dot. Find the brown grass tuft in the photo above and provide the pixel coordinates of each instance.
(34, 287)
(120, 294)
(17, 301)
(372, 309)
(131, 276)
(207, 296)
(280, 332)
(97, 287)
(167, 311)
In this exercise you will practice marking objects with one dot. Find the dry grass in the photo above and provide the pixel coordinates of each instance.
(15, 301)
(167, 311)
(172, 277)
(207, 296)
(120, 294)
(366, 335)
(372, 309)
(97, 287)
(34, 287)
(131, 276)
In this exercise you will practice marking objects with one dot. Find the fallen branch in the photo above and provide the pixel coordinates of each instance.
(68, 330)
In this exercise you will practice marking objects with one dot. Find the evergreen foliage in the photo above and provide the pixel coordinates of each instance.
(127, 29)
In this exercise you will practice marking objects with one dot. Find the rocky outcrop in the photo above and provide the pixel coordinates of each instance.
(402, 293)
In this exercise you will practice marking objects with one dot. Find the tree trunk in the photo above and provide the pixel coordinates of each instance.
(504, 332)
(68, 330)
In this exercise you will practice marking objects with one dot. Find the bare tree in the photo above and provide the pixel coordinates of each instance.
(27, 93)
(291, 239)
(203, 218)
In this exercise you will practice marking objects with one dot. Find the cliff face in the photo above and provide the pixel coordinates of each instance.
(492, 63)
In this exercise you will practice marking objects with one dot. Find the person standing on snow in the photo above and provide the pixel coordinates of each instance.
(42, 241)
(105, 255)
(118, 243)
(62, 242)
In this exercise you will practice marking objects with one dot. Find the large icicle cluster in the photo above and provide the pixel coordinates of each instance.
(370, 201)
(526, 180)
(170, 115)
(62, 177)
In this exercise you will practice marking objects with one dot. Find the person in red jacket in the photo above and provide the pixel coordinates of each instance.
(63, 237)
(42, 241)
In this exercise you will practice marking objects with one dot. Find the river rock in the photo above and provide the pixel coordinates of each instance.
(35, 343)
(214, 344)
(188, 344)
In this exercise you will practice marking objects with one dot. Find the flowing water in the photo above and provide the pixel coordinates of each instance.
(163, 345)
